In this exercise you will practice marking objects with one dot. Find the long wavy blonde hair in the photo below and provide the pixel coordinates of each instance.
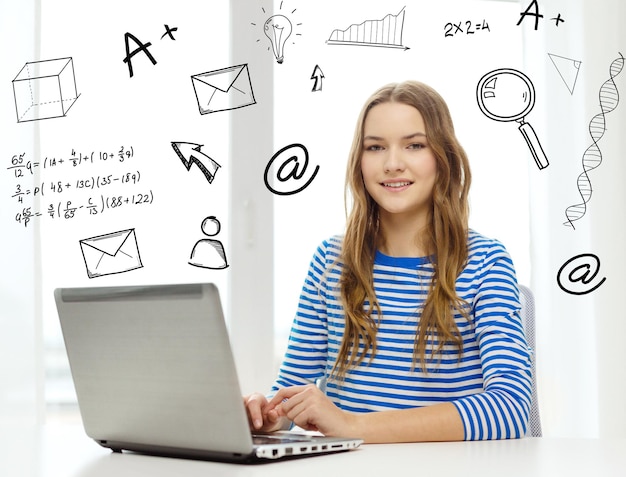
(445, 238)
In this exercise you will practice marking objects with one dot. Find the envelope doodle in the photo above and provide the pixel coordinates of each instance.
(111, 253)
(224, 89)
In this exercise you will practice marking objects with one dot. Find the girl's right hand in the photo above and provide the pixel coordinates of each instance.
(259, 419)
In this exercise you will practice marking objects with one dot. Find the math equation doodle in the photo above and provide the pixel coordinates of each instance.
(592, 157)
(88, 183)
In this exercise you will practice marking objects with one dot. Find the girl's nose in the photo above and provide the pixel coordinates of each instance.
(394, 160)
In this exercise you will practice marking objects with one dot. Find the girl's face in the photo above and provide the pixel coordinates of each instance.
(398, 166)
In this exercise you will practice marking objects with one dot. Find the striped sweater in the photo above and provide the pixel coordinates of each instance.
(489, 383)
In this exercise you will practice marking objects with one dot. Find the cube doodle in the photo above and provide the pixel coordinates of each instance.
(45, 89)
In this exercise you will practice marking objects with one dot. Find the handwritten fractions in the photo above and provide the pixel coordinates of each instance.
(93, 206)
(468, 28)
(118, 187)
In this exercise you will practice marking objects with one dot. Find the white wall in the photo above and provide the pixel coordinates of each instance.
(579, 336)
(269, 246)
(324, 121)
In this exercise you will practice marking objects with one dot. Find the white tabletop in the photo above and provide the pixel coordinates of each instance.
(65, 451)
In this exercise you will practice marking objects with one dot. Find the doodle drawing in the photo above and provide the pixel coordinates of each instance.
(317, 75)
(577, 276)
(294, 161)
(278, 29)
(191, 154)
(223, 89)
(592, 157)
(386, 33)
(209, 253)
(508, 95)
(568, 70)
(45, 89)
(111, 253)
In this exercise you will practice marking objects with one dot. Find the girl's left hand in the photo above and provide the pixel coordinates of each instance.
(309, 408)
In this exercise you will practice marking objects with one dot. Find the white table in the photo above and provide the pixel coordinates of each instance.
(65, 451)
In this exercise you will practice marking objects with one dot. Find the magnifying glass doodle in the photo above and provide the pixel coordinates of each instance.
(508, 95)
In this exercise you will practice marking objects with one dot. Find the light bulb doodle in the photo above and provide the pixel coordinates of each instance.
(278, 29)
(508, 95)
(592, 157)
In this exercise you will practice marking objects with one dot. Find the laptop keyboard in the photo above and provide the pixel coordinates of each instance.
(264, 440)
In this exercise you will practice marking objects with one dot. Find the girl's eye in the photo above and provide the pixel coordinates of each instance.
(417, 146)
(374, 147)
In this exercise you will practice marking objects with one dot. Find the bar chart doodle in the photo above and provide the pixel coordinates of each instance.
(568, 70)
(592, 157)
(386, 33)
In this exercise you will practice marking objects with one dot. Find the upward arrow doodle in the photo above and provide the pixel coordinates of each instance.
(317, 75)
(190, 154)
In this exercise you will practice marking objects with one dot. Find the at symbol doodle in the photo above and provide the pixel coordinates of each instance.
(290, 169)
(577, 275)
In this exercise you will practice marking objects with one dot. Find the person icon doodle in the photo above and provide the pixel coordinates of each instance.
(209, 253)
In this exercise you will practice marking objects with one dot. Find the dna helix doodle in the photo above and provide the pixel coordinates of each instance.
(592, 157)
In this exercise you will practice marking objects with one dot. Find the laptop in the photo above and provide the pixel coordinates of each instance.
(154, 373)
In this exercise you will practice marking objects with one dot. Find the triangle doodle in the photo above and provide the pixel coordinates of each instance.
(568, 70)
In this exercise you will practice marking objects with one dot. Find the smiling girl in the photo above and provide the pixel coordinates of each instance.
(410, 321)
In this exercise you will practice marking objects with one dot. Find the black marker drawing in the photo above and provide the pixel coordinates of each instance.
(290, 170)
(190, 154)
(527, 13)
(508, 95)
(169, 32)
(223, 89)
(577, 275)
(452, 29)
(278, 29)
(592, 157)
(209, 253)
(386, 33)
(141, 47)
(558, 19)
(568, 70)
(45, 89)
(112, 253)
(317, 75)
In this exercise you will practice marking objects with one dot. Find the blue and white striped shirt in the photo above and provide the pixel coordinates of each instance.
(489, 383)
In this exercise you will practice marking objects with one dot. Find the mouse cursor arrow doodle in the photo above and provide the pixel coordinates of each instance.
(190, 154)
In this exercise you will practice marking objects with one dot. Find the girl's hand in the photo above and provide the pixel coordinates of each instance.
(259, 417)
(309, 408)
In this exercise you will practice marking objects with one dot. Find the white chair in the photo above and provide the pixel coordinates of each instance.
(528, 321)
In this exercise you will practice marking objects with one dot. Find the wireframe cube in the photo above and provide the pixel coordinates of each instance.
(45, 89)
